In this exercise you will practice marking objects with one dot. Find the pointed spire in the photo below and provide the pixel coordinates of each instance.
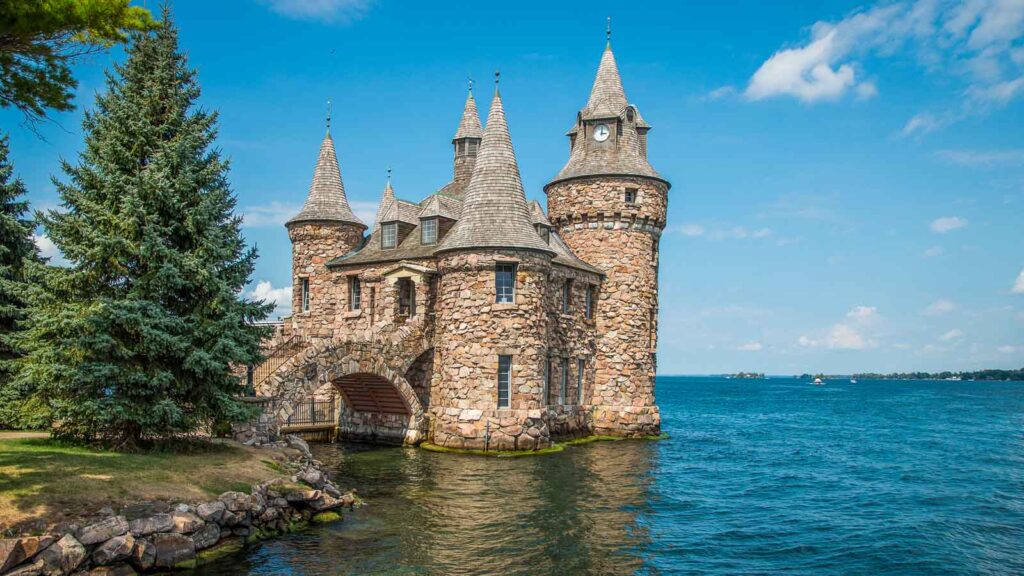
(494, 213)
(387, 199)
(326, 201)
(607, 97)
(608, 33)
(469, 125)
(328, 115)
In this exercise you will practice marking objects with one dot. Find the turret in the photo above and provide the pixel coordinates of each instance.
(609, 205)
(324, 229)
(491, 325)
(466, 144)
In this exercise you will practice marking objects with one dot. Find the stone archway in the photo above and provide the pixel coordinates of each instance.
(371, 378)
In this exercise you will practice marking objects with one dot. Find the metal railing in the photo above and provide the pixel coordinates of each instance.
(256, 375)
(313, 412)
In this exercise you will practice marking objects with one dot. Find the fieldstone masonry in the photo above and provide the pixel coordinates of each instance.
(405, 323)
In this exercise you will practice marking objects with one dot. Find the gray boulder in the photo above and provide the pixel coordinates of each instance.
(114, 550)
(118, 570)
(103, 530)
(151, 525)
(207, 536)
(63, 556)
(300, 445)
(143, 555)
(186, 522)
(14, 551)
(173, 550)
(235, 501)
(311, 476)
(211, 511)
(33, 569)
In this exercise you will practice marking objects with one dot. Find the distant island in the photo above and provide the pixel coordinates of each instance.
(747, 375)
(991, 374)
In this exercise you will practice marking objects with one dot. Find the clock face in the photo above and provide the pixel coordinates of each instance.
(601, 132)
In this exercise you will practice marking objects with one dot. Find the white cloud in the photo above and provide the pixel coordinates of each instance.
(951, 335)
(738, 233)
(721, 92)
(974, 42)
(365, 211)
(330, 11)
(750, 347)
(47, 249)
(1018, 284)
(1007, 349)
(934, 251)
(986, 158)
(852, 334)
(280, 297)
(947, 224)
(272, 214)
(939, 307)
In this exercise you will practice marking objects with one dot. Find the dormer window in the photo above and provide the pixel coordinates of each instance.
(544, 233)
(389, 235)
(428, 231)
(631, 195)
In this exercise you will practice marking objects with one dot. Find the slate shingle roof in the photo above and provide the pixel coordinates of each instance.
(440, 205)
(326, 200)
(469, 126)
(494, 212)
(608, 101)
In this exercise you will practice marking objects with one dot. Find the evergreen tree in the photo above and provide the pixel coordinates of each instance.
(136, 339)
(16, 247)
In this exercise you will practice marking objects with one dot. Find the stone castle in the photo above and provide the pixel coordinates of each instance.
(473, 319)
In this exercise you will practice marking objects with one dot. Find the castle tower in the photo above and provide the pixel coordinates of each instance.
(491, 324)
(466, 145)
(609, 205)
(324, 229)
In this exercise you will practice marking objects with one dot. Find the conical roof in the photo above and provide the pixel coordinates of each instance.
(469, 125)
(326, 200)
(386, 201)
(494, 212)
(607, 98)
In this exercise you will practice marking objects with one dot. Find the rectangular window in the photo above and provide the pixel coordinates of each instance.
(565, 381)
(406, 297)
(505, 283)
(589, 309)
(546, 394)
(304, 289)
(373, 305)
(580, 365)
(630, 195)
(389, 235)
(428, 231)
(355, 293)
(504, 380)
(567, 296)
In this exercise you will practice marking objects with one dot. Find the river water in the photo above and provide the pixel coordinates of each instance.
(767, 476)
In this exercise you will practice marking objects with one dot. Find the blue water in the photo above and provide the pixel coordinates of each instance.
(759, 477)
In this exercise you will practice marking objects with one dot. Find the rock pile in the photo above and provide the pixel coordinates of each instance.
(173, 538)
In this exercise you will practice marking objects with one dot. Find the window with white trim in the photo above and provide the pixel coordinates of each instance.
(504, 380)
(355, 293)
(505, 283)
(428, 231)
(389, 235)
(304, 290)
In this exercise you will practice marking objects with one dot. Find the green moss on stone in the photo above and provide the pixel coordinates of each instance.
(221, 549)
(493, 453)
(326, 517)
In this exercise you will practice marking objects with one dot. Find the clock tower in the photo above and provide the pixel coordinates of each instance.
(609, 205)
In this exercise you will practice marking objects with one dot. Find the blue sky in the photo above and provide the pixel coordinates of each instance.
(848, 177)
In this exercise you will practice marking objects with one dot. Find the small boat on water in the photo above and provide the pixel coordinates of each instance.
(853, 380)
(818, 382)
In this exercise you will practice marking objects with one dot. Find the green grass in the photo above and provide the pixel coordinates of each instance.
(44, 479)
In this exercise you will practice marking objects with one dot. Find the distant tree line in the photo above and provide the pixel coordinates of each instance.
(134, 340)
(990, 374)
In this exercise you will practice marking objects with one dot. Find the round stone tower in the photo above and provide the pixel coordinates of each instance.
(609, 205)
(491, 323)
(324, 229)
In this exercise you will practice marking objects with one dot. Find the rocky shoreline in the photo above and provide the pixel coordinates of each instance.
(164, 537)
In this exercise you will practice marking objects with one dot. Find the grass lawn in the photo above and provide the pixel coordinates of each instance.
(43, 479)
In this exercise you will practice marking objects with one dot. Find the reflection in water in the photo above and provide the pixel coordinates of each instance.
(570, 512)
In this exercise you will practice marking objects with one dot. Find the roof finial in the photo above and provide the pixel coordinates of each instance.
(328, 115)
(608, 31)
(497, 80)
(470, 78)
(389, 175)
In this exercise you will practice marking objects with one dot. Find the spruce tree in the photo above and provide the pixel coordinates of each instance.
(16, 247)
(136, 339)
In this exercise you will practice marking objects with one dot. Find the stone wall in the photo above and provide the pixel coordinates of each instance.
(159, 537)
(313, 245)
(621, 239)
